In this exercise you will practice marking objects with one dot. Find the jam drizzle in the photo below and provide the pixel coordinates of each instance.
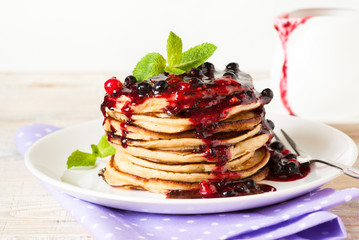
(205, 101)
(285, 26)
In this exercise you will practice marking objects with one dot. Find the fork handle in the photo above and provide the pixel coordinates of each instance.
(350, 171)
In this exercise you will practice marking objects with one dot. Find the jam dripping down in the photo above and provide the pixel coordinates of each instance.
(204, 100)
(285, 26)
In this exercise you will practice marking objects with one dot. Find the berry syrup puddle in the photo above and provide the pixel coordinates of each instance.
(198, 89)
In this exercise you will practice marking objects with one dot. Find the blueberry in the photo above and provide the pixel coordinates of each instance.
(290, 156)
(275, 157)
(276, 168)
(266, 95)
(291, 168)
(130, 81)
(144, 88)
(195, 72)
(277, 145)
(241, 189)
(231, 74)
(270, 124)
(196, 82)
(160, 86)
(207, 69)
(229, 193)
(250, 184)
(232, 67)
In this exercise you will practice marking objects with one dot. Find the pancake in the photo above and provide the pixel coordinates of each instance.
(248, 168)
(179, 142)
(178, 156)
(185, 168)
(168, 124)
(116, 178)
(209, 95)
(240, 122)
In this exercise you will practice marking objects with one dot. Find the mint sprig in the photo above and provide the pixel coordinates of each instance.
(177, 62)
(83, 159)
(150, 65)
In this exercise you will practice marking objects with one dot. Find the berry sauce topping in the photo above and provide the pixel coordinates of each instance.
(285, 26)
(219, 189)
(283, 164)
(206, 100)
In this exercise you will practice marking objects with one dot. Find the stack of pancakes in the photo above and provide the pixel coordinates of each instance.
(160, 152)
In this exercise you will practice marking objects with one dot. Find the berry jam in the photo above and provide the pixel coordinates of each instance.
(220, 189)
(285, 26)
(283, 164)
(205, 100)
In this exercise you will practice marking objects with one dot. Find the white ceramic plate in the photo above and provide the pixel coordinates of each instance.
(47, 160)
(349, 126)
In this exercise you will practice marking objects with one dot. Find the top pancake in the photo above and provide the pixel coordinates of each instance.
(191, 96)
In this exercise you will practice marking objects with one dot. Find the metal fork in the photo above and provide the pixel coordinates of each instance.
(304, 157)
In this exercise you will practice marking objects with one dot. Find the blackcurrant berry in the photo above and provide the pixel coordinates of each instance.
(207, 69)
(232, 67)
(160, 86)
(290, 156)
(277, 145)
(291, 167)
(229, 193)
(266, 96)
(144, 88)
(230, 74)
(276, 168)
(250, 184)
(196, 82)
(241, 189)
(275, 157)
(130, 81)
(195, 72)
(270, 124)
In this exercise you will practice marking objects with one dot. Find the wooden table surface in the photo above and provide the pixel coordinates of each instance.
(27, 209)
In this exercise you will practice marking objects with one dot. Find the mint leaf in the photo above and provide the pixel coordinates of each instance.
(195, 56)
(178, 63)
(174, 49)
(174, 70)
(104, 148)
(82, 159)
(95, 150)
(150, 65)
(79, 159)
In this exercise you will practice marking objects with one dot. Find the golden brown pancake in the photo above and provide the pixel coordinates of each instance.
(240, 122)
(116, 178)
(193, 142)
(184, 168)
(177, 156)
(158, 104)
(170, 124)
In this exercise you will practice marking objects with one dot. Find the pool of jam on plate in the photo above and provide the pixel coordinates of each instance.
(223, 188)
(283, 164)
(205, 100)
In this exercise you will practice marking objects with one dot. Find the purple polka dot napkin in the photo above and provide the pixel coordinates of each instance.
(304, 217)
